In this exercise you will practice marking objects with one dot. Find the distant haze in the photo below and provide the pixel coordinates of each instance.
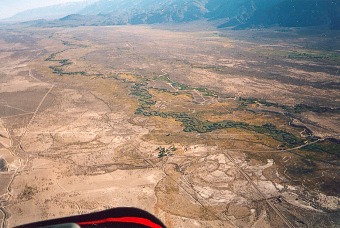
(10, 7)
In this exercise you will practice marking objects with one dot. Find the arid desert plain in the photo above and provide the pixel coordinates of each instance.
(200, 127)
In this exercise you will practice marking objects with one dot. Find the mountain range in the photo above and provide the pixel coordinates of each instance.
(51, 12)
(237, 14)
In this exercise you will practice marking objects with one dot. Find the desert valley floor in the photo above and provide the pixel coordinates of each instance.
(202, 128)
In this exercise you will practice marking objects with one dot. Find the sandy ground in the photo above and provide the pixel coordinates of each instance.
(73, 144)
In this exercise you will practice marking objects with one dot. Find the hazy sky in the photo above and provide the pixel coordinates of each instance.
(10, 7)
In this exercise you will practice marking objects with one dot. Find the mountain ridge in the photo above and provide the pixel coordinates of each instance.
(238, 14)
(50, 12)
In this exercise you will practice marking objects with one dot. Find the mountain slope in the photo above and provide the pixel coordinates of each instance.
(147, 11)
(235, 13)
(302, 13)
(51, 12)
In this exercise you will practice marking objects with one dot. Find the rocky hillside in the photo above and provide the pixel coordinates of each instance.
(237, 14)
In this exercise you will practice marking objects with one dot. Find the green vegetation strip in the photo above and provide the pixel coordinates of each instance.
(329, 146)
(62, 62)
(193, 124)
(299, 108)
(313, 56)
